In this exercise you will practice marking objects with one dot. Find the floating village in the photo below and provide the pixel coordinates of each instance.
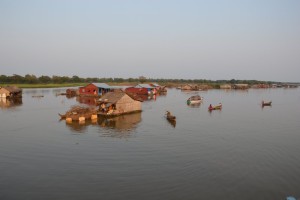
(112, 101)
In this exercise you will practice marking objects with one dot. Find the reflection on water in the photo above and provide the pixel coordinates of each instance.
(142, 97)
(56, 91)
(10, 103)
(80, 127)
(194, 105)
(239, 152)
(172, 122)
(122, 122)
(34, 92)
(118, 125)
(91, 101)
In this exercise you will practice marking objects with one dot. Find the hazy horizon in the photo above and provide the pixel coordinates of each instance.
(215, 40)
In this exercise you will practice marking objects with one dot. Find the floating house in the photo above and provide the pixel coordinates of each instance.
(10, 92)
(159, 88)
(190, 87)
(118, 103)
(258, 86)
(225, 86)
(95, 89)
(139, 91)
(151, 89)
(241, 86)
(142, 89)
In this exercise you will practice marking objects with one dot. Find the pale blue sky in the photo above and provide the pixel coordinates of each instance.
(229, 39)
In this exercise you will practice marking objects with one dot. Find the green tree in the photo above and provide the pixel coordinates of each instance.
(44, 79)
(30, 79)
(4, 79)
(142, 79)
(17, 78)
(75, 79)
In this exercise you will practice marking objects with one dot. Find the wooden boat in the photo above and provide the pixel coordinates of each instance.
(37, 96)
(77, 112)
(194, 100)
(217, 107)
(263, 103)
(170, 117)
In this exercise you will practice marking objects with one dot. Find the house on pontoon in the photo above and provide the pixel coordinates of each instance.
(96, 89)
(10, 92)
(118, 103)
(142, 89)
(241, 86)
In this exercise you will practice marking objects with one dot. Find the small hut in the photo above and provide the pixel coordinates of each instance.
(10, 92)
(241, 86)
(118, 103)
(190, 87)
(225, 86)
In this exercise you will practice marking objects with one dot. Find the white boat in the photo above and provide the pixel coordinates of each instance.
(194, 100)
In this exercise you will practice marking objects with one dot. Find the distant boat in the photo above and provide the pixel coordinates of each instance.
(170, 117)
(217, 107)
(194, 100)
(264, 103)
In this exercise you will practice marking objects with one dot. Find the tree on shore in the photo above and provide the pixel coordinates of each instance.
(32, 79)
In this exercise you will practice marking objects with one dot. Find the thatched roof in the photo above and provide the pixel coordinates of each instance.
(112, 97)
(12, 89)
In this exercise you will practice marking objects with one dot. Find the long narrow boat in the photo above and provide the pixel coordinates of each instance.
(217, 107)
(194, 100)
(263, 103)
(170, 117)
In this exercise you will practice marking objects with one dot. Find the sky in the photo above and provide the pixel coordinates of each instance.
(171, 39)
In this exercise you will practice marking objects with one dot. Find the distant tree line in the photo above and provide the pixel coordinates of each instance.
(32, 79)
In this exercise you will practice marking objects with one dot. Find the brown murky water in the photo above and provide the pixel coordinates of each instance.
(243, 151)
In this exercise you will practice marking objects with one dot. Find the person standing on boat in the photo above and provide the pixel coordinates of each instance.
(210, 107)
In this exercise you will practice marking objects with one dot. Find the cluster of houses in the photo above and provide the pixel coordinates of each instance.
(195, 87)
(117, 100)
(256, 86)
(99, 89)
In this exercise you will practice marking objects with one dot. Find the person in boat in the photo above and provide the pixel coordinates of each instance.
(103, 107)
(210, 107)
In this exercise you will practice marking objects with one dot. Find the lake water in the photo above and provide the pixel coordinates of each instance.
(243, 151)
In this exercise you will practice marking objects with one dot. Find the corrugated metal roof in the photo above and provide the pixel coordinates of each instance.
(12, 89)
(102, 85)
(155, 85)
(144, 86)
(122, 87)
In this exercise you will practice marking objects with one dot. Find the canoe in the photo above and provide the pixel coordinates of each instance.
(169, 116)
(218, 107)
(269, 103)
(194, 100)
